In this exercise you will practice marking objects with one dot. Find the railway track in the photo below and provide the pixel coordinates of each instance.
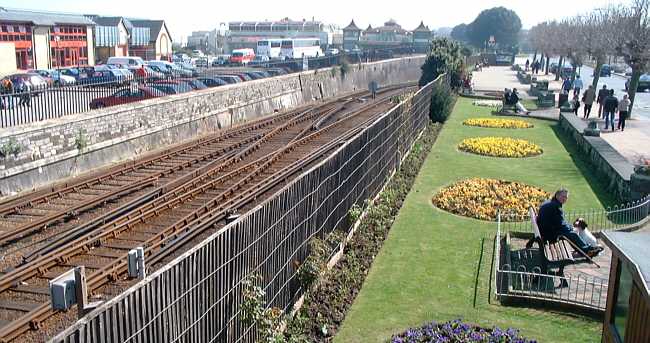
(178, 210)
(32, 222)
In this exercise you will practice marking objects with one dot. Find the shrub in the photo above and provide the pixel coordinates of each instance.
(10, 148)
(442, 102)
(445, 57)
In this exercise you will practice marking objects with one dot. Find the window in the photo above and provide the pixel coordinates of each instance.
(622, 304)
(275, 44)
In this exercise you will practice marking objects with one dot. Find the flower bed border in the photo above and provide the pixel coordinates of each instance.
(352, 261)
(458, 148)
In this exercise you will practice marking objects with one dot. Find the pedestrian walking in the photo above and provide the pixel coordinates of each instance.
(576, 104)
(602, 94)
(609, 107)
(577, 85)
(623, 112)
(566, 85)
(588, 99)
(527, 64)
(6, 88)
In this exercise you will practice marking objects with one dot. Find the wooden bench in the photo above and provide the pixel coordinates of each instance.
(554, 254)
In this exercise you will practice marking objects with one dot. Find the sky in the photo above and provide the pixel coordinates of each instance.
(183, 17)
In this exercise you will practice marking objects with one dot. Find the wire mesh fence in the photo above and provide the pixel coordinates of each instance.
(198, 296)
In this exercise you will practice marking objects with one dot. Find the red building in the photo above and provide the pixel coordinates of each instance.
(43, 40)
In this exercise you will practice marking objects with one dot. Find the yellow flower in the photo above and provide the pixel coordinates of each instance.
(481, 198)
(498, 123)
(500, 147)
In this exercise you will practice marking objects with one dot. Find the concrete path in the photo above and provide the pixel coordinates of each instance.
(633, 143)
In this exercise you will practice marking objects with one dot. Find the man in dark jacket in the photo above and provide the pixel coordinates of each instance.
(609, 109)
(551, 223)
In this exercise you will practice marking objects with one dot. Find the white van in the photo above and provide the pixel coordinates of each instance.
(128, 61)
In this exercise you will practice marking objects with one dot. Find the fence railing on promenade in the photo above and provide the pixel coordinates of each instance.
(514, 280)
(26, 103)
(198, 296)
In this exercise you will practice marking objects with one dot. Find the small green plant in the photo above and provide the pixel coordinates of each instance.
(345, 68)
(643, 168)
(10, 148)
(334, 71)
(269, 321)
(314, 265)
(354, 213)
(80, 140)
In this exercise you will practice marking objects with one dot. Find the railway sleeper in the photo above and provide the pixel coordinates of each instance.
(18, 306)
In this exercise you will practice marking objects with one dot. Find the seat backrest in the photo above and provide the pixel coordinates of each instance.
(533, 221)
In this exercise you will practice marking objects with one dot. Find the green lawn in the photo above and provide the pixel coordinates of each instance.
(427, 268)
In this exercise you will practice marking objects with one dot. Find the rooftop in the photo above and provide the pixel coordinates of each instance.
(42, 18)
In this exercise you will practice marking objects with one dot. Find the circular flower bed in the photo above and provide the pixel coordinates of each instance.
(457, 331)
(481, 198)
(500, 147)
(498, 123)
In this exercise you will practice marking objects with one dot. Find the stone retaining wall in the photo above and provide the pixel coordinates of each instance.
(59, 148)
(610, 166)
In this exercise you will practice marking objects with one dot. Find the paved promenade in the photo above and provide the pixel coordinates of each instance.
(633, 143)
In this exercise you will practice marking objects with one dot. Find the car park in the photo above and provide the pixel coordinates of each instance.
(212, 81)
(125, 96)
(644, 83)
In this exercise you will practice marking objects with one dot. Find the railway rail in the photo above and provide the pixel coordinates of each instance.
(174, 210)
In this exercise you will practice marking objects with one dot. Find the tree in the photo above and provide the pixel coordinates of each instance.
(634, 25)
(500, 22)
(596, 35)
(446, 56)
(459, 33)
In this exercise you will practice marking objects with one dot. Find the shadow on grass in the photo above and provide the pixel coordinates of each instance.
(585, 168)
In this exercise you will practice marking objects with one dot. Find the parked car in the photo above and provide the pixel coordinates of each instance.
(253, 75)
(107, 77)
(230, 78)
(331, 52)
(644, 83)
(169, 87)
(195, 84)
(56, 76)
(606, 70)
(125, 96)
(28, 81)
(126, 61)
(165, 72)
(212, 81)
(72, 72)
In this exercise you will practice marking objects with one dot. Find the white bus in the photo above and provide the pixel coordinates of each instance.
(269, 47)
(299, 47)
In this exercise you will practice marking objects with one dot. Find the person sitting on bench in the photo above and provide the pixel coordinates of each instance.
(513, 100)
(552, 225)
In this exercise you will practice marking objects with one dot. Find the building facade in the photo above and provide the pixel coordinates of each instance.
(43, 40)
(390, 36)
(206, 41)
(150, 39)
(242, 34)
(111, 37)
